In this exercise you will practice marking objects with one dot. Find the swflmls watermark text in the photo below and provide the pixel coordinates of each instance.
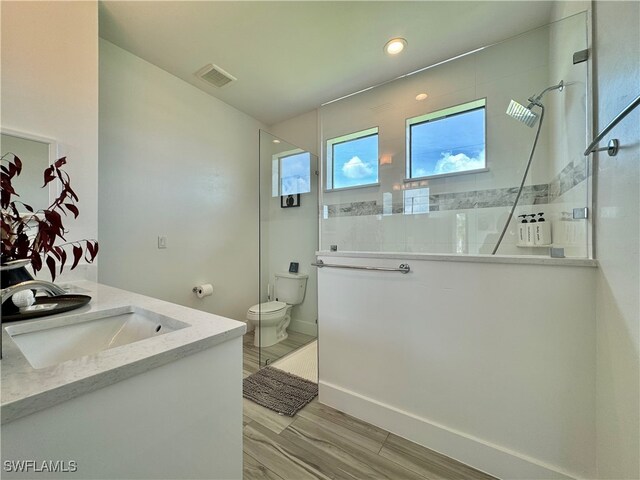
(35, 466)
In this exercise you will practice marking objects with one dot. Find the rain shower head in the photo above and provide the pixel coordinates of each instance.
(525, 114)
(522, 113)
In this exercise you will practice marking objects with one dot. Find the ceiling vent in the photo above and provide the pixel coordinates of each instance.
(214, 75)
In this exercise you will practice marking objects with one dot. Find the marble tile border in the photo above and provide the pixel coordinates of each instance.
(499, 197)
(571, 175)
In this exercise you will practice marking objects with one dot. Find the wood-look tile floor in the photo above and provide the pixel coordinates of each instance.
(321, 442)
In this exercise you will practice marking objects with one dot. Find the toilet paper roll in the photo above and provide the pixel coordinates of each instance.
(204, 290)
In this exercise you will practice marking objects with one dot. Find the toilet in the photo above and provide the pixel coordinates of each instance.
(271, 319)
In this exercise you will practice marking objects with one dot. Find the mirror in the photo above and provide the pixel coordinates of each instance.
(36, 153)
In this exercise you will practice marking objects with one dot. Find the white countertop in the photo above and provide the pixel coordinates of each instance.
(26, 390)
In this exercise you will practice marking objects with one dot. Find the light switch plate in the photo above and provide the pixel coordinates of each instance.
(162, 241)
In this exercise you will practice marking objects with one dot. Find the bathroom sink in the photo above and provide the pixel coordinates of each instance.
(48, 342)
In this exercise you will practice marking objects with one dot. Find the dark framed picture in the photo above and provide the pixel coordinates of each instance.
(288, 201)
(293, 267)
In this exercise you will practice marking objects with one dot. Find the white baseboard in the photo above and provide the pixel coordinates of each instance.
(493, 459)
(303, 327)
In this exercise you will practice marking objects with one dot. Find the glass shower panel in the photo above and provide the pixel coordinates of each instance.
(431, 163)
(288, 306)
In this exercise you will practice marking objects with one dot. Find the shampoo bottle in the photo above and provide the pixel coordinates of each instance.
(531, 230)
(522, 230)
(542, 230)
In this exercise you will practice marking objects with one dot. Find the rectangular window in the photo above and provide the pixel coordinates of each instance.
(448, 141)
(352, 160)
(291, 173)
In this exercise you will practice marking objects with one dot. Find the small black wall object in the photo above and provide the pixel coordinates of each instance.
(288, 201)
(293, 267)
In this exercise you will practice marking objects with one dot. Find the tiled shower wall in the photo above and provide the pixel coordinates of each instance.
(456, 223)
(467, 212)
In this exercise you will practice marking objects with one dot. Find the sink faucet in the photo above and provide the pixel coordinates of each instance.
(51, 288)
(6, 293)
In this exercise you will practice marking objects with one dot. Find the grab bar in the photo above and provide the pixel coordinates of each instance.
(403, 268)
(614, 145)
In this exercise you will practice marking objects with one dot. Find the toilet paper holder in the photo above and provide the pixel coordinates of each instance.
(204, 290)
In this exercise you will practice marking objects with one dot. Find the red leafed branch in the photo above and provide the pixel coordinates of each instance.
(36, 234)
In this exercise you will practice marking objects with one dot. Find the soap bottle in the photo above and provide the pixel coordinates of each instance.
(522, 230)
(531, 230)
(542, 230)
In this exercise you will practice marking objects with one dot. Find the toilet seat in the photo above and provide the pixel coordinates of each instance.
(267, 310)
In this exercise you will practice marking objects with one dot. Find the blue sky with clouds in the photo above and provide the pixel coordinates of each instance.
(355, 162)
(295, 175)
(451, 144)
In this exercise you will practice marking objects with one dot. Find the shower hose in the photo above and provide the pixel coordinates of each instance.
(524, 178)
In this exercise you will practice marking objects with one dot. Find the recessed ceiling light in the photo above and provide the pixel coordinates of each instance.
(395, 46)
(421, 96)
(276, 141)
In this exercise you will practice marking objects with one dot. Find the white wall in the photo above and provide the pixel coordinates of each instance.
(301, 131)
(617, 238)
(175, 161)
(491, 364)
(50, 89)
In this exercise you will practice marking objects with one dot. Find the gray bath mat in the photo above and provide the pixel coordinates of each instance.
(279, 391)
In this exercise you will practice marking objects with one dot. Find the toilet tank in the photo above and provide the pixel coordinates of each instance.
(290, 287)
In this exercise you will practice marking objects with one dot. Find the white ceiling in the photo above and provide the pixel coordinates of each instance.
(290, 57)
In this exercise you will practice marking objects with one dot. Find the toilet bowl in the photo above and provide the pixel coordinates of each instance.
(272, 318)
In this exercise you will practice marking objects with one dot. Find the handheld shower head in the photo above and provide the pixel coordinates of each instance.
(525, 114)
(522, 114)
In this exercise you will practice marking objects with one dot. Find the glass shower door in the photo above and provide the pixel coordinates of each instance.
(288, 304)
(431, 162)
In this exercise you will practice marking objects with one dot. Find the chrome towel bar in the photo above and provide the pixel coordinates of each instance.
(403, 268)
(614, 145)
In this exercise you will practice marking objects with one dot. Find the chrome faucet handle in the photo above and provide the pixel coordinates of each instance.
(50, 288)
